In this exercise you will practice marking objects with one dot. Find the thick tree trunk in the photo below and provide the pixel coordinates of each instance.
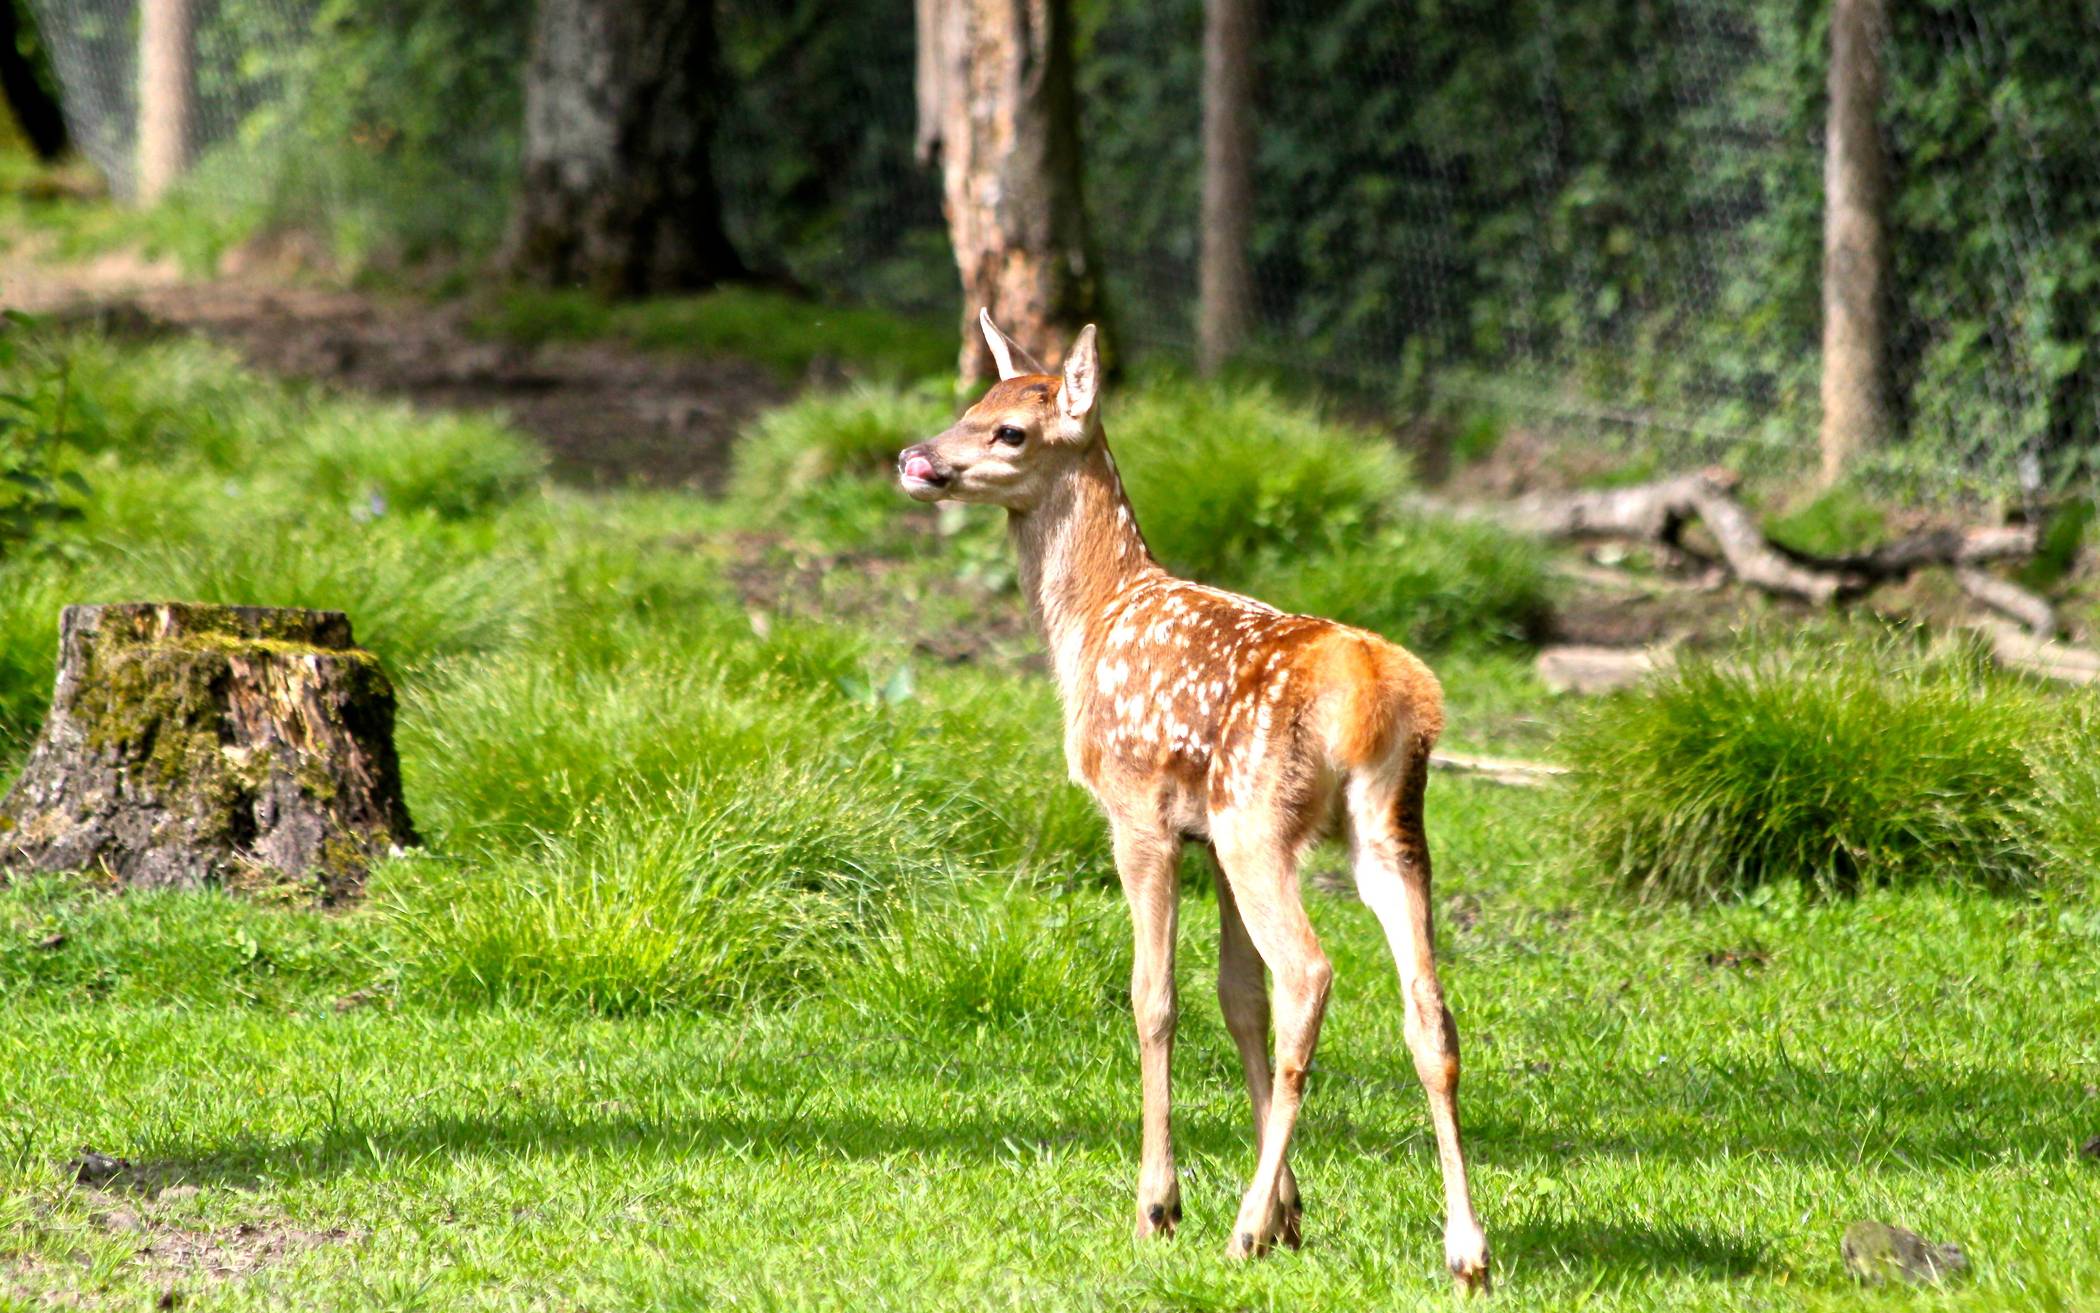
(34, 108)
(621, 99)
(1855, 238)
(1224, 287)
(211, 744)
(167, 93)
(1006, 130)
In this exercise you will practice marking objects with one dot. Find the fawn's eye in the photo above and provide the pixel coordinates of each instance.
(1009, 436)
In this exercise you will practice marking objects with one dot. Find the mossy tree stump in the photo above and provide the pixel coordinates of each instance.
(187, 745)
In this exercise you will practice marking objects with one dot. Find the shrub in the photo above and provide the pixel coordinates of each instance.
(738, 883)
(1860, 765)
(1426, 581)
(796, 448)
(1220, 476)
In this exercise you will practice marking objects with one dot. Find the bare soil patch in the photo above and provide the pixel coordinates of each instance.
(608, 414)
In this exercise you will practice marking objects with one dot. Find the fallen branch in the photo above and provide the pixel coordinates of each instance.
(1658, 512)
(2007, 599)
(1498, 770)
(2018, 649)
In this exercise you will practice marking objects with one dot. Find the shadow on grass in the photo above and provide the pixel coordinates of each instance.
(1577, 1247)
(1890, 1120)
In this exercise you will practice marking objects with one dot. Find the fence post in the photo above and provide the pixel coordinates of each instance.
(1224, 292)
(167, 89)
(1855, 238)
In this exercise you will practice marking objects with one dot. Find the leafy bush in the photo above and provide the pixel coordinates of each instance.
(1220, 476)
(1427, 581)
(39, 486)
(1242, 488)
(1856, 766)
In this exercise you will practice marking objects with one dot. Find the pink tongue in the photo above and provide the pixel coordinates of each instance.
(918, 467)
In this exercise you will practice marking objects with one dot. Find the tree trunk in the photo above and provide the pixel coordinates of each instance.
(1006, 130)
(621, 99)
(35, 109)
(1855, 239)
(167, 91)
(1224, 287)
(211, 744)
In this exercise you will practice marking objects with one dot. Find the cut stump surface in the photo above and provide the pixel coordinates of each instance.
(190, 745)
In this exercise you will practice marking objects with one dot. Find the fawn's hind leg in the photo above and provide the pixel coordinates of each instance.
(1261, 864)
(1243, 996)
(1392, 875)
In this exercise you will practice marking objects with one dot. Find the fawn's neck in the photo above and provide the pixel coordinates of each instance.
(1078, 550)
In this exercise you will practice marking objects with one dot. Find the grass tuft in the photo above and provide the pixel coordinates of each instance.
(732, 885)
(1858, 766)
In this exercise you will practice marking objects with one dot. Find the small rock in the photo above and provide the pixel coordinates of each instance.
(93, 1168)
(1876, 1252)
(2090, 1150)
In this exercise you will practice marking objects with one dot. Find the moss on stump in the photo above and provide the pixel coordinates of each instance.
(186, 745)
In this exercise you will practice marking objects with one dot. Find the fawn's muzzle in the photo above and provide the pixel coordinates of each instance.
(921, 472)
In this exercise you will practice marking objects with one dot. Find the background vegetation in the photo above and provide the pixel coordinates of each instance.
(1461, 200)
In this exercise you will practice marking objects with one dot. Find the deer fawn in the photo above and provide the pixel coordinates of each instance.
(1193, 714)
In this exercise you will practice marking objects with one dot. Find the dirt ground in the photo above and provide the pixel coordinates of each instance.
(607, 413)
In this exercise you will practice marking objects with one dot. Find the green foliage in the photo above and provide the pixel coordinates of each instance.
(1222, 477)
(40, 485)
(1245, 489)
(1429, 582)
(793, 450)
(68, 939)
(2067, 812)
(748, 877)
(1838, 520)
(789, 334)
(952, 967)
(1858, 766)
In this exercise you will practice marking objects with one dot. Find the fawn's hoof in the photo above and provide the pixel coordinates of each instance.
(1466, 1254)
(1290, 1223)
(1158, 1219)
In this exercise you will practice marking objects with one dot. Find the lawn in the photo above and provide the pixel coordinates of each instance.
(762, 957)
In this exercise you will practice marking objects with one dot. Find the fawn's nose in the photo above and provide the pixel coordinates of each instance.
(916, 465)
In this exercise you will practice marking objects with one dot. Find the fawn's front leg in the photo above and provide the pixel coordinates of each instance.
(1148, 862)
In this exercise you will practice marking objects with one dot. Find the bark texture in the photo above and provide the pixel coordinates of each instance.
(189, 745)
(1855, 238)
(618, 194)
(1224, 286)
(167, 94)
(997, 107)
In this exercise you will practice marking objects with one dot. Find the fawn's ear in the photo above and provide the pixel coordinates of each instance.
(1002, 346)
(1082, 376)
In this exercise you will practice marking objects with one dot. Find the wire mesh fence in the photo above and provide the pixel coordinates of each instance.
(1598, 212)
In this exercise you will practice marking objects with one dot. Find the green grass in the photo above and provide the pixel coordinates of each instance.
(786, 333)
(761, 959)
(1868, 764)
(1837, 521)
